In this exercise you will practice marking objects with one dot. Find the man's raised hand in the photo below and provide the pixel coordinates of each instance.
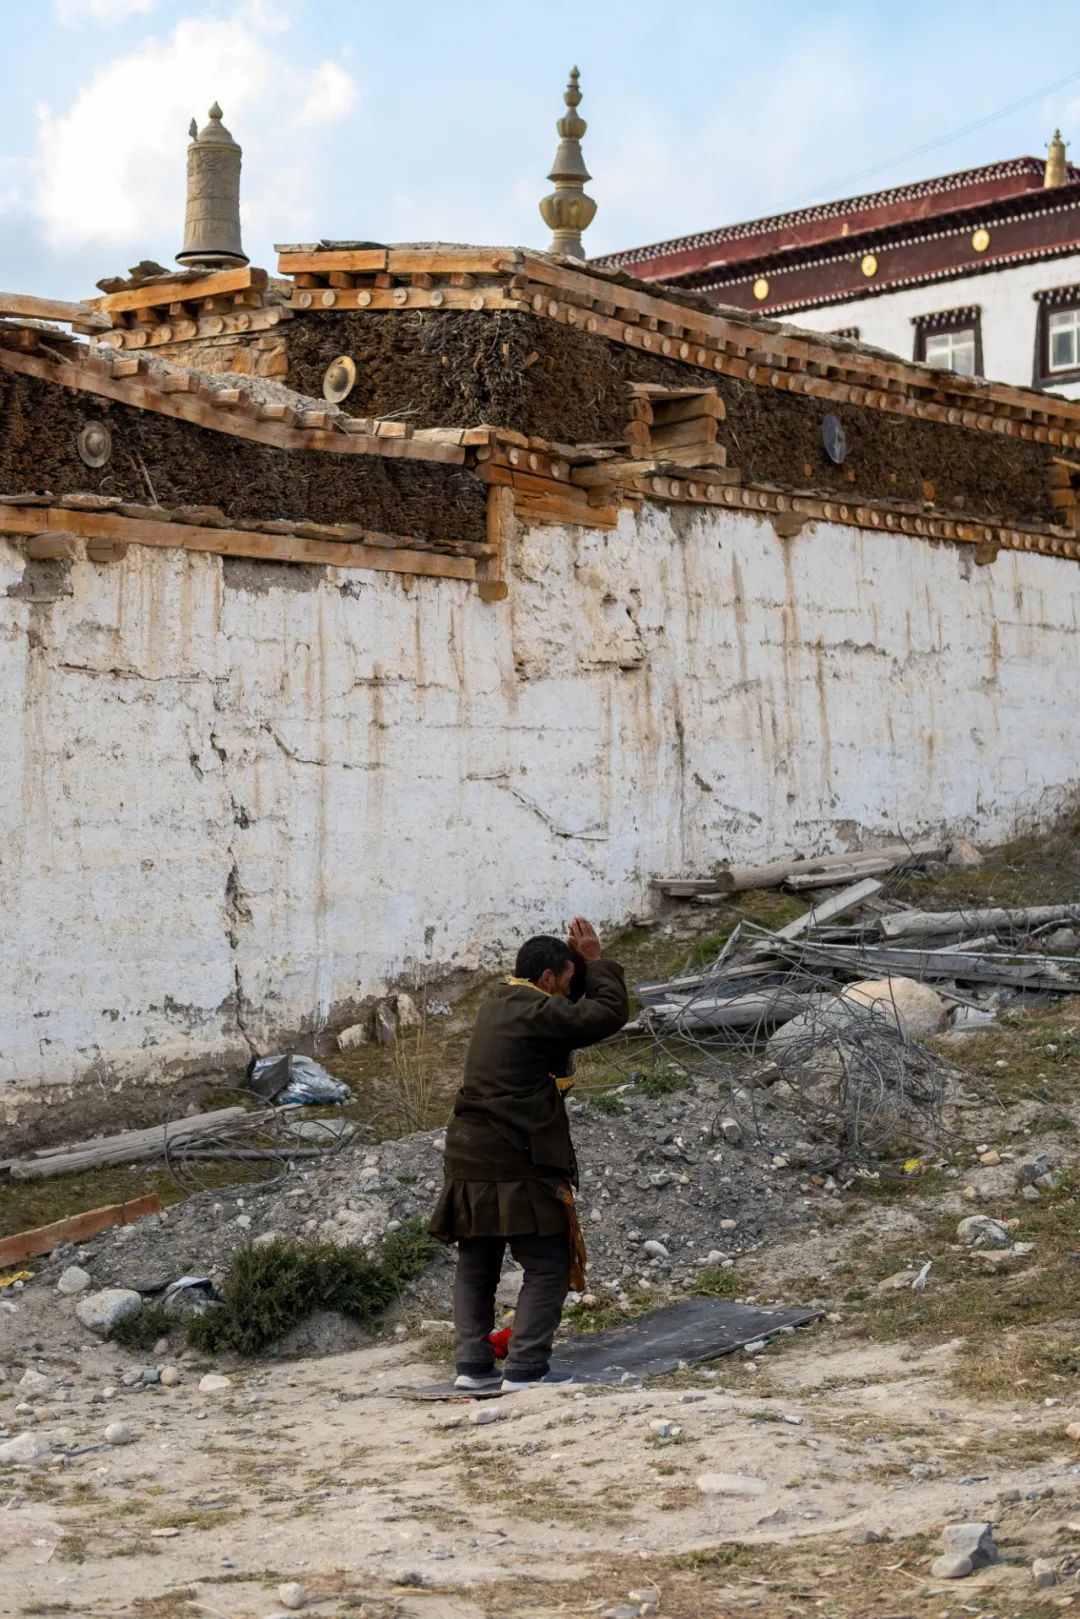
(584, 940)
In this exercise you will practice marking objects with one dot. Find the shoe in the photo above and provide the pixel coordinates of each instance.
(489, 1383)
(512, 1385)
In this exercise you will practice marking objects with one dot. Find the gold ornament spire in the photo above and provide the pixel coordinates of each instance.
(212, 225)
(1056, 172)
(567, 210)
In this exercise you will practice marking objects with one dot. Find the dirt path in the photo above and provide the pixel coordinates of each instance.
(315, 1471)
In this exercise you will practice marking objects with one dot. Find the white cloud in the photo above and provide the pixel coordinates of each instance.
(106, 12)
(331, 94)
(111, 163)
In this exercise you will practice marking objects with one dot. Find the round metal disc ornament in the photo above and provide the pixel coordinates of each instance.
(94, 444)
(833, 438)
(339, 379)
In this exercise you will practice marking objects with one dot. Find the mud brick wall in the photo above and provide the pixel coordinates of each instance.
(174, 463)
(457, 369)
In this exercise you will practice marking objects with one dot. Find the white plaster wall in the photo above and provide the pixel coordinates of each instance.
(232, 809)
(1009, 316)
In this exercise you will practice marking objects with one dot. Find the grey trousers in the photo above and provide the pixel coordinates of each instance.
(546, 1263)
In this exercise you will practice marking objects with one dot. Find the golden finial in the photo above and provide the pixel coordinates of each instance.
(1056, 174)
(567, 210)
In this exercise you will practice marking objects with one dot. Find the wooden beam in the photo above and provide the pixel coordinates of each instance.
(43, 1239)
(382, 557)
(308, 261)
(151, 294)
(24, 307)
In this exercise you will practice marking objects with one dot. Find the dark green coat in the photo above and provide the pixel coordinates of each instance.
(508, 1146)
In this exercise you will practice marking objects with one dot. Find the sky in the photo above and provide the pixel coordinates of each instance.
(436, 121)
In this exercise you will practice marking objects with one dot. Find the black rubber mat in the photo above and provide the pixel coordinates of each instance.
(692, 1331)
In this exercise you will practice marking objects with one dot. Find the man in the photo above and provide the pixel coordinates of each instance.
(510, 1165)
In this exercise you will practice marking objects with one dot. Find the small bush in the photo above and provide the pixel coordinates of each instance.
(272, 1286)
(716, 1283)
(663, 1082)
(606, 1102)
(143, 1329)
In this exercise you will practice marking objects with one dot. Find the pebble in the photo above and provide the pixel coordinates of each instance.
(624, 1610)
(729, 1225)
(483, 1415)
(214, 1383)
(73, 1279)
(292, 1596)
(662, 1428)
(33, 1381)
(170, 1376)
(161, 1348)
(731, 1130)
(655, 1250)
(120, 1433)
(164, 1534)
(648, 1594)
(1044, 1572)
(865, 1537)
(731, 1484)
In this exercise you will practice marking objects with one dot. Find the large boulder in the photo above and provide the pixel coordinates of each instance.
(101, 1311)
(913, 1008)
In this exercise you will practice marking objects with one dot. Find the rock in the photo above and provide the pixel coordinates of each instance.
(1044, 1573)
(964, 854)
(1072, 1430)
(731, 1484)
(25, 1447)
(729, 1225)
(385, 1024)
(980, 1231)
(1030, 1193)
(120, 1433)
(33, 1381)
(409, 1015)
(655, 1250)
(865, 1537)
(898, 1280)
(161, 1347)
(1062, 942)
(73, 1279)
(807, 1040)
(292, 1596)
(731, 1130)
(951, 1568)
(989, 1158)
(662, 1428)
(484, 1415)
(624, 1610)
(170, 1376)
(914, 1008)
(972, 1540)
(355, 1035)
(648, 1593)
(509, 1287)
(101, 1311)
(214, 1383)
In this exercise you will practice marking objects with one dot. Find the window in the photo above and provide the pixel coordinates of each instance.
(1057, 337)
(951, 339)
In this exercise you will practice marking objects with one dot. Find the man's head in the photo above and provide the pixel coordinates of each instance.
(546, 962)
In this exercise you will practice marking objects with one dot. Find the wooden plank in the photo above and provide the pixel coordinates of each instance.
(382, 298)
(837, 905)
(390, 558)
(877, 961)
(698, 433)
(975, 921)
(43, 1239)
(738, 879)
(666, 412)
(448, 261)
(22, 305)
(151, 294)
(841, 874)
(198, 408)
(311, 260)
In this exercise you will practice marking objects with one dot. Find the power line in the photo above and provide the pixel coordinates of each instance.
(835, 186)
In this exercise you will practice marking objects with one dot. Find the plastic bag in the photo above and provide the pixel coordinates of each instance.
(291, 1079)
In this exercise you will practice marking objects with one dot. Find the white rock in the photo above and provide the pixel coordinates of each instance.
(509, 1287)
(352, 1037)
(980, 1231)
(964, 853)
(731, 1484)
(951, 1567)
(655, 1250)
(25, 1447)
(483, 1415)
(214, 1383)
(662, 1428)
(120, 1433)
(1044, 1572)
(292, 1595)
(34, 1382)
(170, 1376)
(914, 1008)
(73, 1279)
(729, 1225)
(409, 1015)
(731, 1130)
(101, 1311)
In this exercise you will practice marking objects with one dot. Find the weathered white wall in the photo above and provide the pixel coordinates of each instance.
(1009, 316)
(236, 798)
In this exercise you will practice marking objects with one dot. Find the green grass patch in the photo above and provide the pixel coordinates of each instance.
(664, 1080)
(716, 1283)
(272, 1286)
(606, 1102)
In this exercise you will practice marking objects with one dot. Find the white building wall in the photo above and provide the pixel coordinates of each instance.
(239, 798)
(1009, 316)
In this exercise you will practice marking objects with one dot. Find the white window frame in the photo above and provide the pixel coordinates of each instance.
(948, 345)
(1062, 320)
